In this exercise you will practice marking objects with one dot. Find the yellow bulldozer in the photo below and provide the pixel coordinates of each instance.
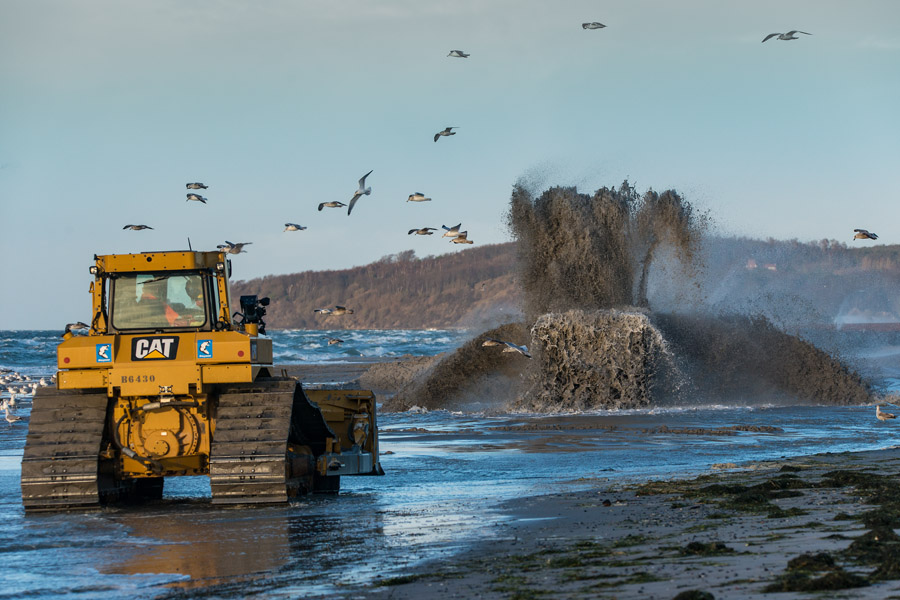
(169, 381)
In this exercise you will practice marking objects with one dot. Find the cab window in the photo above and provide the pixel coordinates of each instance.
(158, 301)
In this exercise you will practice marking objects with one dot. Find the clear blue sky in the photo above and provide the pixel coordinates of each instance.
(107, 108)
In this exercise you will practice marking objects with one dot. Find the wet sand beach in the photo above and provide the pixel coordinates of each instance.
(818, 523)
(609, 504)
(814, 523)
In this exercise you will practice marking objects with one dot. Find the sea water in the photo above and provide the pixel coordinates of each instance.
(447, 475)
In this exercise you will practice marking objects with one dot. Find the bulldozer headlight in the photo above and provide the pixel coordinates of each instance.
(94, 270)
(220, 267)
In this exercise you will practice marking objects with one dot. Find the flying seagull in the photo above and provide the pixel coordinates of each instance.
(332, 204)
(293, 227)
(458, 54)
(70, 327)
(336, 311)
(461, 238)
(422, 231)
(594, 25)
(883, 416)
(446, 131)
(196, 197)
(230, 248)
(451, 232)
(509, 346)
(785, 36)
(137, 227)
(363, 190)
(418, 197)
(862, 234)
(196, 186)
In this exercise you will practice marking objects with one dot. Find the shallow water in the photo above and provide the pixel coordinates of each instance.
(447, 474)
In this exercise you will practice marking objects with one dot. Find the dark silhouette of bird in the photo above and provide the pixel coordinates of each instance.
(862, 234)
(446, 131)
(785, 36)
(196, 186)
(458, 54)
(137, 227)
(594, 25)
(422, 231)
(231, 248)
(332, 204)
(196, 198)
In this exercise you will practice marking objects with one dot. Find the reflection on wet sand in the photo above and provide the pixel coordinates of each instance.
(238, 548)
(202, 544)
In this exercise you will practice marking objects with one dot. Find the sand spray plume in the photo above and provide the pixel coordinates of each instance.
(593, 252)
(586, 265)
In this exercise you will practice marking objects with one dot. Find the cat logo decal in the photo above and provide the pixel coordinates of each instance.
(154, 348)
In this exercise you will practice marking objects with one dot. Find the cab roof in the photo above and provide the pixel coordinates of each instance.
(159, 261)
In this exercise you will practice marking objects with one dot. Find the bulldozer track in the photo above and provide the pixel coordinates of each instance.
(256, 423)
(60, 464)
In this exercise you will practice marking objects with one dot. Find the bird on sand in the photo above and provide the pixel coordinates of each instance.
(461, 238)
(293, 227)
(594, 25)
(785, 36)
(883, 416)
(418, 197)
(324, 311)
(862, 234)
(332, 341)
(458, 54)
(332, 204)
(196, 198)
(77, 326)
(196, 186)
(137, 227)
(451, 232)
(231, 248)
(509, 346)
(446, 131)
(422, 231)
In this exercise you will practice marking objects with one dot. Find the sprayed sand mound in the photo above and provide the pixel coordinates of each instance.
(597, 359)
(736, 357)
(474, 378)
(614, 359)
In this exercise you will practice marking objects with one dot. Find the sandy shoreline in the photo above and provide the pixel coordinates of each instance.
(737, 532)
(732, 534)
